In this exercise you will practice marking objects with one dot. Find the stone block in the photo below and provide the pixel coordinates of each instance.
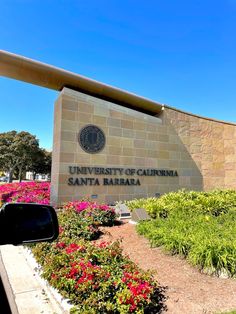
(101, 111)
(139, 161)
(67, 157)
(151, 162)
(138, 125)
(85, 117)
(152, 136)
(129, 152)
(101, 121)
(113, 160)
(115, 150)
(139, 214)
(218, 158)
(174, 164)
(115, 114)
(115, 131)
(184, 181)
(140, 152)
(86, 108)
(68, 136)
(140, 135)
(127, 161)
(69, 103)
(163, 137)
(112, 122)
(163, 154)
(83, 158)
(175, 155)
(110, 140)
(196, 180)
(163, 146)
(98, 159)
(230, 166)
(128, 133)
(101, 189)
(69, 115)
(68, 147)
(127, 124)
(139, 143)
(151, 153)
(230, 158)
(151, 127)
(229, 150)
(68, 125)
(122, 210)
(162, 163)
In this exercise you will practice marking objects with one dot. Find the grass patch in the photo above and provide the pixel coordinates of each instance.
(201, 226)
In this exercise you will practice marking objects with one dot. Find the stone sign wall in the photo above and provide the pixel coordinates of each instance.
(142, 155)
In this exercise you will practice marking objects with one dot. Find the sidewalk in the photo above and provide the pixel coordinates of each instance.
(27, 293)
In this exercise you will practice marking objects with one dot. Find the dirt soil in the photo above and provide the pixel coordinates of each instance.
(187, 289)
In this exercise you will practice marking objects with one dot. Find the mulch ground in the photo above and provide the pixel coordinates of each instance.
(187, 289)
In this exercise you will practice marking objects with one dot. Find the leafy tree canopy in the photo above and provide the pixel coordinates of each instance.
(20, 151)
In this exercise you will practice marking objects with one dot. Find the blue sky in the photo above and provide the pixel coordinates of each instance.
(181, 53)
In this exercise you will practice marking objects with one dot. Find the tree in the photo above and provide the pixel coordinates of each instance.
(17, 150)
(41, 163)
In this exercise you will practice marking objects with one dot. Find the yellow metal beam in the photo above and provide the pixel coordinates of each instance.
(23, 69)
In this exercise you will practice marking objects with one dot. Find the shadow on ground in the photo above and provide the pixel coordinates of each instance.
(4, 306)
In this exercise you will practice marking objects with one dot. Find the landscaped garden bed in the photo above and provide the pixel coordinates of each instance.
(94, 276)
(199, 226)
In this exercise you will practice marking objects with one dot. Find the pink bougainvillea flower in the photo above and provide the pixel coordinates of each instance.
(26, 192)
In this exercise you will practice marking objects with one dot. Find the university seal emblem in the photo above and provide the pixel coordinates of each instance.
(92, 139)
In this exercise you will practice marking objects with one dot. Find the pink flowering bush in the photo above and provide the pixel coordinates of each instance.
(98, 278)
(97, 214)
(25, 192)
(95, 276)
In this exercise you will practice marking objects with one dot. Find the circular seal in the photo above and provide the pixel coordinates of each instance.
(92, 139)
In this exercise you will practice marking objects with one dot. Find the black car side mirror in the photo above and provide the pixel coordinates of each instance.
(27, 223)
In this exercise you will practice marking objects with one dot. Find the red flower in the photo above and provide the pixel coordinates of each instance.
(54, 277)
(74, 247)
(60, 245)
(103, 244)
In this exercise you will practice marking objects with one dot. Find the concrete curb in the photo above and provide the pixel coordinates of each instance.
(27, 293)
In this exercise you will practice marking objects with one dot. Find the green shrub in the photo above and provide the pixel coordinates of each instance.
(214, 203)
(200, 226)
(77, 226)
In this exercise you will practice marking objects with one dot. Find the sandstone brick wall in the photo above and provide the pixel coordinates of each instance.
(201, 150)
(211, 145)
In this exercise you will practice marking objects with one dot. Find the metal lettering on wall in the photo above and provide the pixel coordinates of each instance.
(92, 139)
(85, 175)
